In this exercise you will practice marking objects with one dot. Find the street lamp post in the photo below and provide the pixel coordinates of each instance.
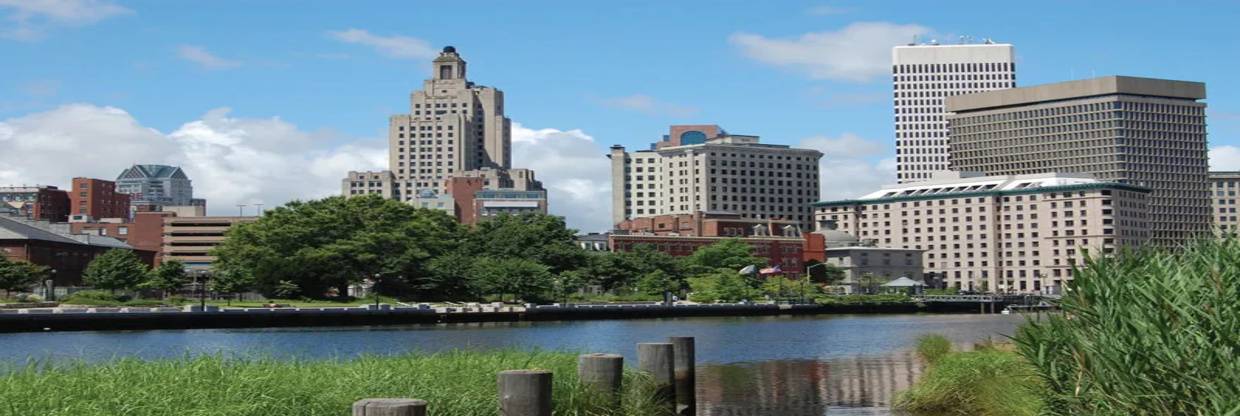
(51, 286)
(807, 269)
(375, 287)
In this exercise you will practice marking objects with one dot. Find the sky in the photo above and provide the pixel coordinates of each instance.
(267, 102)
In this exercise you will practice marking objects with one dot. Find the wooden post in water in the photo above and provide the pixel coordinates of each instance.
(525, 393)
(686, 375)
(658, 360)
(389, 407)
(603, 372)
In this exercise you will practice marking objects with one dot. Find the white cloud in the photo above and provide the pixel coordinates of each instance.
(848, 167)
(230, 160)
(30, 16)
(1225, 157)
(573, 168)
(859, 52)
(396, 46)
(649, 105)
(205, 59)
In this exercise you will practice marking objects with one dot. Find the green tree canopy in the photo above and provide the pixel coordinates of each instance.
(732, 254)
(20, 275)
(544, 239)
(334, 242)
(826, 274)
(115, 269)
(169, 276)
(523, 278)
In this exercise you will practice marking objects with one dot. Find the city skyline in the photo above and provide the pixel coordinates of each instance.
(156, 88)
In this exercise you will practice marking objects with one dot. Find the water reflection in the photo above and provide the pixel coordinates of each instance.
(854, 386)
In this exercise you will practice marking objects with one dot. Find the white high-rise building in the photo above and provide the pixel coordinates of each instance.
(924, 76)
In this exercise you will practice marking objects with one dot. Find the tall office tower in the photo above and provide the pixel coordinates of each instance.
(1223, 187)
(1138, 131)
(701, 168)
(923, 76)
(158, 185)
(453, 125)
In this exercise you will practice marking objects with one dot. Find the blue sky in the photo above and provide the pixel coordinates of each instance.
(219, 76)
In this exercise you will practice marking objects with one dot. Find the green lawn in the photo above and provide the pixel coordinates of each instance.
(454, 383)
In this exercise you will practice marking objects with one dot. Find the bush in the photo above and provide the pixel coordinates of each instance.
(104, 298)
(977, 383)
(1151, 332)
(932, 347)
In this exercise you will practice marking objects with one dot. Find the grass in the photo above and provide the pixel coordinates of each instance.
(932, 347)
(984, 382)
(1151, 332)
(454, 383)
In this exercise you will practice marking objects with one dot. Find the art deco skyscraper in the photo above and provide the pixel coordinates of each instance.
(923, 77)
(453, 125)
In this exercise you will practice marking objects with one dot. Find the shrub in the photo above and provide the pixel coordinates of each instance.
(1151, 332)
(932, 347)
(977, 383)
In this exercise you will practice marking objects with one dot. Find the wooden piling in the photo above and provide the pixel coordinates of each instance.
(658, 360)
(685, 374)
(389, 407)
(524, 393)
(602, 372)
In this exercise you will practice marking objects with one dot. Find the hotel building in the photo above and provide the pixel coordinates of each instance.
(999, 233)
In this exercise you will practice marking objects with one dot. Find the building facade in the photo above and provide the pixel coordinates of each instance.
(144, 232)
(1223, 189)
(784, 251)
(1138, 131)
(453, 125)
(156, 185)
(47, 203)
(717, 224)
(54, 246)
(999, 233)
(882, 264)
(380, 182)
(190, 239)
(95, 199)
(923, 76)
(703, 168)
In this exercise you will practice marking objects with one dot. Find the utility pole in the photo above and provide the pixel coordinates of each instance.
(260, 210)
(240, 210)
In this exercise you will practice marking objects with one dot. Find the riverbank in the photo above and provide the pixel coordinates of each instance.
(990, 380)
(454, 383)
(171, 318)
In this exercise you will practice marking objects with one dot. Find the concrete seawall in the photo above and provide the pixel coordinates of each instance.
(100, 320)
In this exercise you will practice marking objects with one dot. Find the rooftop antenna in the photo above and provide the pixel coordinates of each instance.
(240, 210)
(914, 41)
(962, 37)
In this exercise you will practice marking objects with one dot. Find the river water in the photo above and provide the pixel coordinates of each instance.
(806, 365)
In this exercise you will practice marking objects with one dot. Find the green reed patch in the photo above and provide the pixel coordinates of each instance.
(454, 383)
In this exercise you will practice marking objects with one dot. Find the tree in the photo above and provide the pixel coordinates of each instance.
(230, 282)
(115, 269)
(325, 245)
(544, 239)
(826, 274)
(523, 278)
(20, 275)
(732, 254)
(168, 277)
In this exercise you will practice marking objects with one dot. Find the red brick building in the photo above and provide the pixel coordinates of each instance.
(781, 242)
(52, 246)
(97, 198)
(46, 203)
(145, 232)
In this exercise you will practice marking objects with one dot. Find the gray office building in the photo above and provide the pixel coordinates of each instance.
(1138, 131)
(158, 185)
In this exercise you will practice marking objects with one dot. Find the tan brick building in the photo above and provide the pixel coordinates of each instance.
(1139, 131)
(190, 239)
(999, 233)
(704, 168)
(1223, 189)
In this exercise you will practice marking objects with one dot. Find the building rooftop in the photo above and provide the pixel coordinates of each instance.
(152, 171)
(1092, 87)
(22, 229)
(959, 184)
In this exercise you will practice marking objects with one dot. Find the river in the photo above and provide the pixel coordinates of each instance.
(805, 365)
